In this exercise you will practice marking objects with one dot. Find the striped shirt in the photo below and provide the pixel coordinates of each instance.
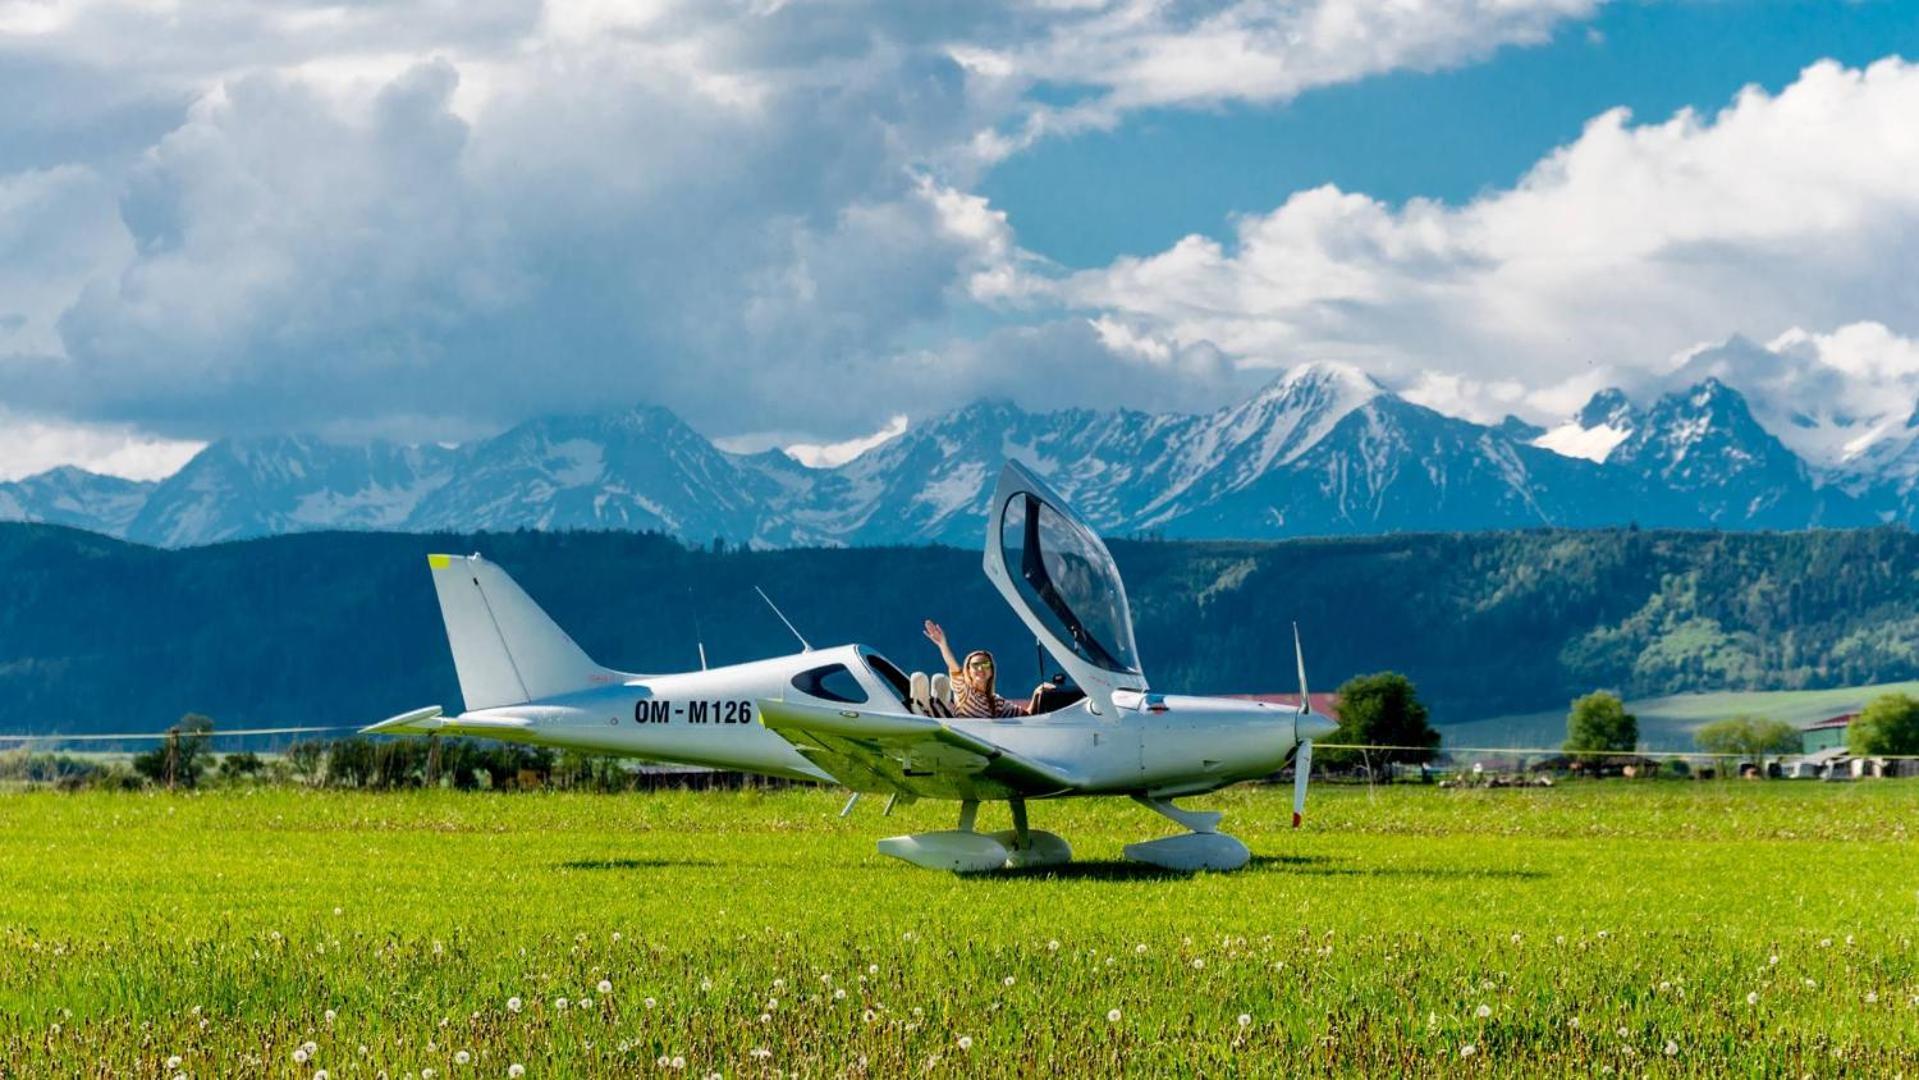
(969, 702)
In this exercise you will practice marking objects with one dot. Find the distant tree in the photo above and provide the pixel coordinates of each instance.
(1889, 725)
(182, 757)
(1599, 723)
(307, 757)
(1382, 709)
(1677, 768)
(244, 763)
(1748, 737)
(350, 762)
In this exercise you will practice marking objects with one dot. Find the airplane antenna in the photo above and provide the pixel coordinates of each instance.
(699, 638)
(804, 645)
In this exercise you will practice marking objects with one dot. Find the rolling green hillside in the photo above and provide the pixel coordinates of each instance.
(342, 628)
(1667, 722)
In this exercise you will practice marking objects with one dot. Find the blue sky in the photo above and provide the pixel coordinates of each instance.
(1444, 135)
(794, 222)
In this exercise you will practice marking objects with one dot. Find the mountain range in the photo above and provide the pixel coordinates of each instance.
(1322, 450)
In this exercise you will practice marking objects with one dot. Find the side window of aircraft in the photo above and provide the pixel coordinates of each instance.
(894, 677)
(832, 682)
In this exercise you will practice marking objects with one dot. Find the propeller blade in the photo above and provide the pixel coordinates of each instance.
(1299, 654)
(1302, 772)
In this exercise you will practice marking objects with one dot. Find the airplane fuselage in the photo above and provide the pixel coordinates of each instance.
(1161, 746)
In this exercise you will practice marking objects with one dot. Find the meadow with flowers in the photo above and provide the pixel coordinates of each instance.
(1654, 928)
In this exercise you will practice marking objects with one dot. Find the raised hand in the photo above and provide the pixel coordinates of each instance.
(934, 634)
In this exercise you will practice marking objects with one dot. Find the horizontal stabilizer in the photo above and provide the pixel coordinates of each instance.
(416, 722)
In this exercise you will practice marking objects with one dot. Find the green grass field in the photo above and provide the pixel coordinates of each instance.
(1661, 928)
(1667, 723)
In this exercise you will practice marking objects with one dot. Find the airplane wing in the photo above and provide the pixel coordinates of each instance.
(915, 756)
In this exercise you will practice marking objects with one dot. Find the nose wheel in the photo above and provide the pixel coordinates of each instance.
(1203, 847)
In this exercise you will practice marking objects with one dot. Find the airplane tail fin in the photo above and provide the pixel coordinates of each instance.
(505, 649)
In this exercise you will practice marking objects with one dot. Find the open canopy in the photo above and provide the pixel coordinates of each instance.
(1057, 574)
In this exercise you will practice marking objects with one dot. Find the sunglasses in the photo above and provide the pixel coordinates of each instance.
(986, 665)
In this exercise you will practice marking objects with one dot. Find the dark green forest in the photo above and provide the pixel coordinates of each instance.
(342, 628)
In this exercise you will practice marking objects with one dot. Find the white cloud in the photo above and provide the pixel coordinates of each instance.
(1154, 53)
(1613, 253)
(31, 444)
(827, 455)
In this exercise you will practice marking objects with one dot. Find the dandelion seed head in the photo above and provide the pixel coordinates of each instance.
(1053, 945)
(965, 1042)
(1752, 997)
(319, 1074)
(1112, 1016)
(1872, 997)
(1198, 962)
(839, 993)
(1468, 1050)
(299, 1055)
(516, 1070)
(461, 1057)
(605, 987)
(679, 1062)
(648, 1002)
(1483, 1011)
(872, 969)
(1245, 1019)
(514, 1004)
(310, 1047)
(173, 1062)
(1008, 981)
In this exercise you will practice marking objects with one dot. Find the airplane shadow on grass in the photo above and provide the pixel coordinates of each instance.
(1311, 865)
(1314, 865)
(634, 864)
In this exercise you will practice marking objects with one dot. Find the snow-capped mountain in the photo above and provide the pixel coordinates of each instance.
(1321, 450)
(71, 496)
(240, 488)
(643, 469)
(1700, 451)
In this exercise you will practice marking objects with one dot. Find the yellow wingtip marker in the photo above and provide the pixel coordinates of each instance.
(439, 562)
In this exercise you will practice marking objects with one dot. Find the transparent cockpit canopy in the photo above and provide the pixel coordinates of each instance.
(1067, 578)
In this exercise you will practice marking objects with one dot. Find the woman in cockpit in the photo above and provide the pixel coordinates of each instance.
(973, 694)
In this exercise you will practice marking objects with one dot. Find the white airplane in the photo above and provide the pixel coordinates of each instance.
(846, 715)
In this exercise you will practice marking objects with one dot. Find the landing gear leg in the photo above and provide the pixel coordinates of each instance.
(1031, 847)
(1203, 848)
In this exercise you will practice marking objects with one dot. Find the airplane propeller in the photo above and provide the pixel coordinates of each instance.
(1305, 726)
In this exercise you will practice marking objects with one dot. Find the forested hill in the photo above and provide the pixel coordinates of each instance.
(343, 628)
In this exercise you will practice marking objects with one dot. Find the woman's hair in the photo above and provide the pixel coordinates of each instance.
(968, 662)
